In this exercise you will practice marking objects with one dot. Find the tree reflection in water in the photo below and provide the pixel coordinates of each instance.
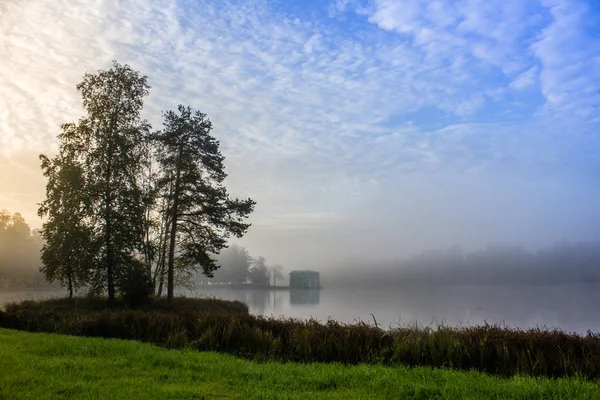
(302, 297)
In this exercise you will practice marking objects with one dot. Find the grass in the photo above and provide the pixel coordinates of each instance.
(215, 325)
(50, 366)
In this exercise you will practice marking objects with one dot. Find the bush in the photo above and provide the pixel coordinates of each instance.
(135, 284)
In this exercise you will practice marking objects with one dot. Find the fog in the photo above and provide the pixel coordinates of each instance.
(19, 252)
(562, 263)
(379, 225)
(422, 213)
(371, 264)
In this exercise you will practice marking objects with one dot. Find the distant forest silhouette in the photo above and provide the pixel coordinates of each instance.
(563, 262)
(19, 252)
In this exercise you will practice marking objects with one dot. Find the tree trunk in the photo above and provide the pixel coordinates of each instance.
(162, 281)
(170, 279)
(108, 232)
(108, 208)
(70, 281)
(109, 263)
(149, 260)
(161, 269)
(162, 257)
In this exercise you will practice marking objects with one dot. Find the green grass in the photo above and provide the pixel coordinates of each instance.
(49, 366)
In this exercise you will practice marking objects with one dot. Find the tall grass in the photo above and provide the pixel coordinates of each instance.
(487, 348)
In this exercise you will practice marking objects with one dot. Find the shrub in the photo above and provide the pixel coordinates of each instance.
(135, 284)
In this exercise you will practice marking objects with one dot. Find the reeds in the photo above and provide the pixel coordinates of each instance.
(227, 328)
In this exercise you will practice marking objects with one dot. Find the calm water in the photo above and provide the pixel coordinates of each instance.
(573, 308)
(10, 295)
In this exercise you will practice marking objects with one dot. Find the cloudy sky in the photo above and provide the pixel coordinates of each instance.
(360, 126)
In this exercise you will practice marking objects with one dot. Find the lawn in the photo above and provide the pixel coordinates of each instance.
(47, 366)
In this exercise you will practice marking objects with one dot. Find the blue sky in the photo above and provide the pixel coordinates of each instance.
(377, 126)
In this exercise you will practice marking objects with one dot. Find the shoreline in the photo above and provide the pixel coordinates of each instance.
(251, 287)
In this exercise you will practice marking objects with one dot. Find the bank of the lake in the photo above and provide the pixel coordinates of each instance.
(46, 366)
(227, 327)
(567, 307)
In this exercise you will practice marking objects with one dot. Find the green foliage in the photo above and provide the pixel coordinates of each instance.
(110, 143)
(108, 208)
(41, 366)
(489, 349)
(94, 201)
(259, 273)
(202, 215)
(135, 283)
(70, 246)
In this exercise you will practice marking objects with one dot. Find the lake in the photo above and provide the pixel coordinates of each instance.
(572, 308)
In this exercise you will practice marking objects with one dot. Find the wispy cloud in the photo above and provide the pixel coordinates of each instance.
(569, 53)
(317, 113)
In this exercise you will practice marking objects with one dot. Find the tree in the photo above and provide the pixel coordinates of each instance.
(69, 249)
(259, 272)
(19, 250)
(276, 271)
(202, 215)
(108, 144)
(234, 265)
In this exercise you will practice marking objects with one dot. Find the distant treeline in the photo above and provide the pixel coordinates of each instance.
(562, 263)
(19, 252)
(238, 267)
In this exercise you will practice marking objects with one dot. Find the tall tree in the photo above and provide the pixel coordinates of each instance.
(109, 144)
(260, 273)
(202, 215)
(277, 272)
(68, 253)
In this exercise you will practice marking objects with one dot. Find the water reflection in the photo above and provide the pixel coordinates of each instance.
(305, 297)
(260, 300)
(266, 302)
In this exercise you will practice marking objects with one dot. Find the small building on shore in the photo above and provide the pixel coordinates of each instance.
(305, 279)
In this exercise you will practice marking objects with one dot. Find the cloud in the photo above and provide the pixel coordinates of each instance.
(316, 113)
(21, 185)
(526, 79)
(569, 53)
(555, 43)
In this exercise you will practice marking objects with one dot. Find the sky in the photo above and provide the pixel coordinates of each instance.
(363, 128)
